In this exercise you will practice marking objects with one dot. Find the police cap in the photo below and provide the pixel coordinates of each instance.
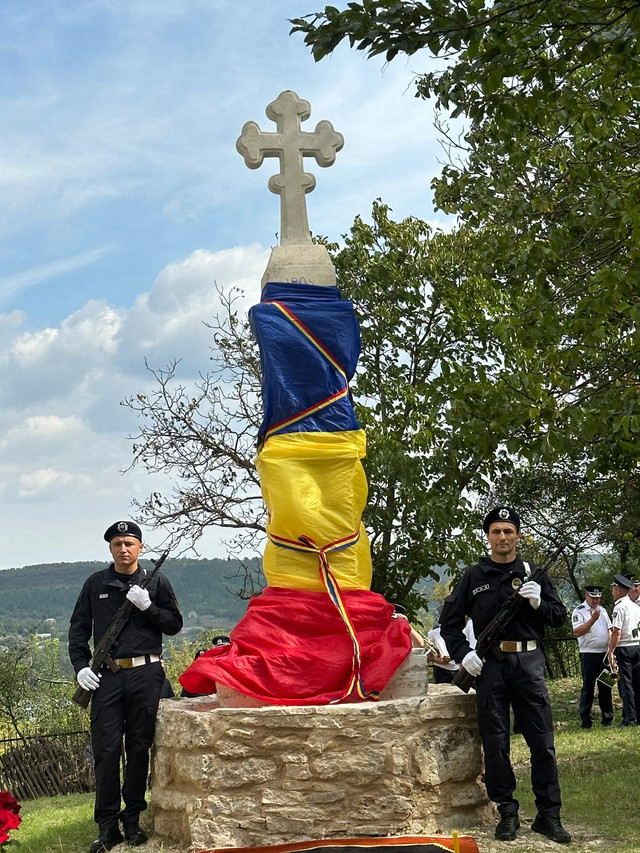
(501, 513)
(123, 528)
(593, 589)
(622, 581)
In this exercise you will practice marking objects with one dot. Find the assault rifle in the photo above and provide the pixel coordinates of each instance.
(489, 638)
(102, 654)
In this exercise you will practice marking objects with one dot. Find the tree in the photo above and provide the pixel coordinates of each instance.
(547, 183)
(428, 354)
(35, 698)
(593, 518)
(203, 437)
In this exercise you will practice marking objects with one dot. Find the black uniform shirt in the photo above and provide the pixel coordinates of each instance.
(101, 596)
(480, 593)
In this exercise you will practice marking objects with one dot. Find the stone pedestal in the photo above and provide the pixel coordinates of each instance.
(272, 775)
(307, 263)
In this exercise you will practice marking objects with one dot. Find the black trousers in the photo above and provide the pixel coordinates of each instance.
(443, 676)
(628, 658)
(125, 705)
(592, 664)
(518, 682)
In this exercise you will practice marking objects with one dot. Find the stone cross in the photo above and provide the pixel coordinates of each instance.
(297, 258)
(290, 144)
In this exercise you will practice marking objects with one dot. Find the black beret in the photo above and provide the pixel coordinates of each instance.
(501, 513)
(123, 528)
(623, 581)
(594, 589)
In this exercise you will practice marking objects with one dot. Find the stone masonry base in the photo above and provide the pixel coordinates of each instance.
(241, 777)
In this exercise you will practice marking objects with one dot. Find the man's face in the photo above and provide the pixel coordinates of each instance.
(593, 601)
(503, 540)
(125, 551)
(634, 593)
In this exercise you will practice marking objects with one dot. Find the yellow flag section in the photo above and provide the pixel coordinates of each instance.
(315, 490)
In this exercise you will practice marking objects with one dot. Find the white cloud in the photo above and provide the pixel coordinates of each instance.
(167, 322)
(63, 431)
(49, 481)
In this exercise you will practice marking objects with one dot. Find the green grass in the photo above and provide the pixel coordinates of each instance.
(598, 770)
(61, 824)
(598, 777)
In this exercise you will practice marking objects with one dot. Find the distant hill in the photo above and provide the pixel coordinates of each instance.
(205, 587)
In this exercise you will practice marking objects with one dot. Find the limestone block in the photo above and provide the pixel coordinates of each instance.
(207, 773)
(364, 764)
(172, 824)
(307, 263)
(172, 799)
(326, 797)
(180, 724)
(447, 754)
(410, 679)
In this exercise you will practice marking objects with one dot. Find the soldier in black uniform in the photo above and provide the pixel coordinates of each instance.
(511, 677)
(124, 703)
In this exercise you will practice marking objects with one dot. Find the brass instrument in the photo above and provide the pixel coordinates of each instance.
(610, 674)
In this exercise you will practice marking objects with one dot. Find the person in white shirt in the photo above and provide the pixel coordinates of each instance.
(444, 667)
(624, 648)
(591, 625)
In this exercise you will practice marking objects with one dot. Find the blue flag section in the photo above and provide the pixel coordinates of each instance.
(309, 344)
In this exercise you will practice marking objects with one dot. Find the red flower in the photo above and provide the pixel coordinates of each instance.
(9, 817)
(8, 802)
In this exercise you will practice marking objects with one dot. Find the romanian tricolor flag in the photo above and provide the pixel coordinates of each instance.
(316, 634)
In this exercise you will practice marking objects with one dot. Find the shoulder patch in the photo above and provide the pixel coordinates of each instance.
(478, 589)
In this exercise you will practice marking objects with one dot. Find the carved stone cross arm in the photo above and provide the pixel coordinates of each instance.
(290, 144)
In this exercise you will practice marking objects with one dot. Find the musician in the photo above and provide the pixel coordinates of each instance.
(591, 626)
(624, 648)
(513, 677)
(124, 703)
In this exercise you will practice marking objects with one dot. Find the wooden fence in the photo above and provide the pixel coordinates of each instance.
(46, 765)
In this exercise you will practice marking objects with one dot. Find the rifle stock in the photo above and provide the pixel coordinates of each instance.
(490, 636)
(464, 680)
(101, 653)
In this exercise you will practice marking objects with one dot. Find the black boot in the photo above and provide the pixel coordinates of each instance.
(550, 826)
(134, 834)
(107, 839)
(508, 826)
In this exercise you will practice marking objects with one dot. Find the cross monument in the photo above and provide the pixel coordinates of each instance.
(297, 258)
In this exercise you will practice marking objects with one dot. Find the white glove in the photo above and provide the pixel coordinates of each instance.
(140, 597)
(473, 663)
(531, 590)
(87, 679)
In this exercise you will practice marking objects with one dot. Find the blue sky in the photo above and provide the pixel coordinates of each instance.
(123, 200)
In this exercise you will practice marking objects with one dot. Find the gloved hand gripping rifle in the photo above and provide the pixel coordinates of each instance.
(102, 654)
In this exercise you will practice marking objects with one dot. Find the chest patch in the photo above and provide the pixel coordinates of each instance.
(480, 589)
(104, 595)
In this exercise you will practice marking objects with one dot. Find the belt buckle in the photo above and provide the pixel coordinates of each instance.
(125, 663)
(509, 646)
